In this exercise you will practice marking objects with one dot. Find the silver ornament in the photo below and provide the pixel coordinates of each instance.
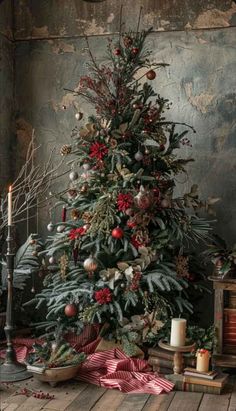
(50, 227)
(60, 228)
(86, 166)
(54, 346)
(90, 264)
(138, 156)
(73, 175)
(52, 260)
(165, 203)
(79, 116)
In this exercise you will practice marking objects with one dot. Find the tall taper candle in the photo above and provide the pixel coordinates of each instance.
(10, 206)
(178, 332)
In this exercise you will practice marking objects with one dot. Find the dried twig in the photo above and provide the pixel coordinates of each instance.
(31, 186)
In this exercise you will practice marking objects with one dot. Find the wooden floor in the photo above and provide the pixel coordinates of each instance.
(78, 396)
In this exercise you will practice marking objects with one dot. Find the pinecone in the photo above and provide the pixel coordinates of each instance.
(128, 41)
(74, 214)
(87, 217)
(65, 149)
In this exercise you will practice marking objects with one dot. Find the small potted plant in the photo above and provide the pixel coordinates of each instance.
(54, 361)
(223, 258)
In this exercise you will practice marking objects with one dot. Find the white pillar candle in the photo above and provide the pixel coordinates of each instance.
(10, 206)
(203, 359)
(178, 332)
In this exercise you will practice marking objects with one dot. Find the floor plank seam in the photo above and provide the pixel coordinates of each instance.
(198, 408)
(146, 402)
(90, 409)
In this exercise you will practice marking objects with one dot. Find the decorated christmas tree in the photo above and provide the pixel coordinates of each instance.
(120, 255)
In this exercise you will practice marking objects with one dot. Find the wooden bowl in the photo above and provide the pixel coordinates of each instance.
(55, 375)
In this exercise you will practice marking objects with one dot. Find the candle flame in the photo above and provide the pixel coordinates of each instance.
(10, 189)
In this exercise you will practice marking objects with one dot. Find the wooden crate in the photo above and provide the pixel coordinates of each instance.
(229, 330)
(225, 322)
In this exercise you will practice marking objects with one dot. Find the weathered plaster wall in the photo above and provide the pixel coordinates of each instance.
(199, 82)
(6, 92)
(43, 19)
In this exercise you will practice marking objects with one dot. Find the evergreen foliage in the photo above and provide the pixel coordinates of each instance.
(122, 247)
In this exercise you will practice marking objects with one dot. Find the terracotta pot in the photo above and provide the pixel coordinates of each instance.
(55, 375)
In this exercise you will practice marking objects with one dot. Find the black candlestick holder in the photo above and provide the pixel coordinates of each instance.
(11, 370)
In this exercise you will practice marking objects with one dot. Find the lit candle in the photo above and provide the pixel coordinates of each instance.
(10, 206)
(178, 332)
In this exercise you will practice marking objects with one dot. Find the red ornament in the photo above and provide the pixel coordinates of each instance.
(63, 216)
(135, 50)
(151, 75)
(117, 233)
(117, 52)
(162, 147)
(70, 310)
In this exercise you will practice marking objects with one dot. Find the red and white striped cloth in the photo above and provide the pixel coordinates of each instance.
(110, 369)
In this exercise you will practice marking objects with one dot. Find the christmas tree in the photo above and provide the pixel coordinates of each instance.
(120, 254)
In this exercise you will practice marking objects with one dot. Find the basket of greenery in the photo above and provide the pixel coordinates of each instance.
(54, 361)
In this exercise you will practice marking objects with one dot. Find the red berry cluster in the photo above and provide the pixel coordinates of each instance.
(43, 396)
(135, 281)
(36, 394)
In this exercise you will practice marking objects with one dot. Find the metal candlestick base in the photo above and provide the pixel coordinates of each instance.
(11, 370)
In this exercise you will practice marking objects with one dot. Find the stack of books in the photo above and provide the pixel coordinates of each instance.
(192, 381)
(192, 372)
(162, 360)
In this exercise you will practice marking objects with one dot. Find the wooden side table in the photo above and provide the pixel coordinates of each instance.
(178, 354)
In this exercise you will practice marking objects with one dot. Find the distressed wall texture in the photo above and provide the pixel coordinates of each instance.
(199, 81)
(6, 93)
(197, 38)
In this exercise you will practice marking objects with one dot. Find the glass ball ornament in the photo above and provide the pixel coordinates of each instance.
(52, 260)
(117, 233)
(79, 116)
(70, 310)
(151, 75)
(50, 227)
(86, 166)
(165, 203)
(90, 264)
(60, 228)
(73, 175)
(138, 156)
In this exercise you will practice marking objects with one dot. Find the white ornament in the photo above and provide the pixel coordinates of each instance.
(50, 227)
(52, 260)
(60, 228)
(138, 156)
(73, 175)
(79, 116)
(86, 166)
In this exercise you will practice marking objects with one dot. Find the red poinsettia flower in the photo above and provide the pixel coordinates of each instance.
(76, 233)
(98, 150)
(103, 296)
(124, 201)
